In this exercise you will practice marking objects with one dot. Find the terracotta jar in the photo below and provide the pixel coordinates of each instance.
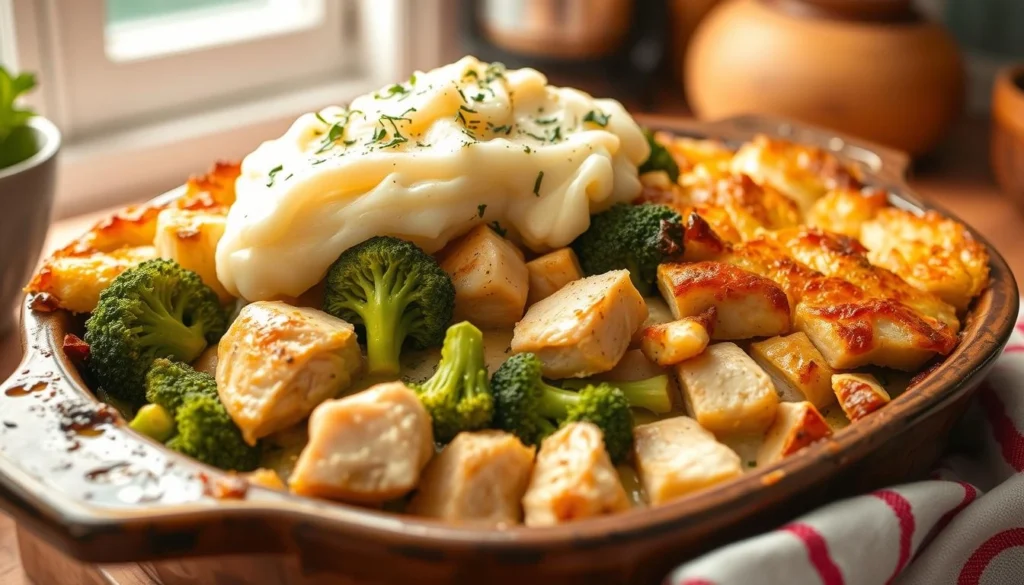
(871, 68)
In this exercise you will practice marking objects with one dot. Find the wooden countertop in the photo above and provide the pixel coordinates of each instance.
(956, 177)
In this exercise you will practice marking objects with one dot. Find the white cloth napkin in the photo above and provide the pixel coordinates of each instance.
(963, 527)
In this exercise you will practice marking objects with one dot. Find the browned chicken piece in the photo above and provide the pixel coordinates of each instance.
(690, 152)
(844, 211)
(802, 173)
(734, 204)
(842, 257)
(797, 425)
(746, 304)
(367, 448)
(552, 271)
(277, 362)
(214, 189)
(859, 394)
(190, 237)
(584, 328)
(667, 344)
(932, 253)
(797, 368)
(74, 281)
(726, 391)
(849, 326)
(573, 479)
(676, 456)
(479, 477)
(751, 206)
(491, 280)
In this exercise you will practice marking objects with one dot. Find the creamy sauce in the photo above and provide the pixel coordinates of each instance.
(427, 160)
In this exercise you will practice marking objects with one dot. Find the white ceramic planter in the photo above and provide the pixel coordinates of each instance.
(26, 198)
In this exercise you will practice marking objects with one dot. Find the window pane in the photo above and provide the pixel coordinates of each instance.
(121, 11)
(145, 29)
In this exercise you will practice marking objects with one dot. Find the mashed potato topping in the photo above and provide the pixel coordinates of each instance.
(426, 160)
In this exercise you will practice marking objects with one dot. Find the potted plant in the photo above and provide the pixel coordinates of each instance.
(28, 171)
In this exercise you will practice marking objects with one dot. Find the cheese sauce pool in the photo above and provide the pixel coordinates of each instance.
(425, 161)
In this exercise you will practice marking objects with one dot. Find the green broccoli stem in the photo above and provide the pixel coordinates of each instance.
(387, 322)
(555, 402)
(653, 394)
(154, 421)
(383, 338)
(461, 361)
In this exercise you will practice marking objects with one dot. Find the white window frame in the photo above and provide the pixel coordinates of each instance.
(109, 164)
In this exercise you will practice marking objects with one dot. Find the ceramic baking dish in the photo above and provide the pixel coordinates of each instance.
(71, 472)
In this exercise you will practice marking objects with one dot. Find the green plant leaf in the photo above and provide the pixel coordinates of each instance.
(11, 116)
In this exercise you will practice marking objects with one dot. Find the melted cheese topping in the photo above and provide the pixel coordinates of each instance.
(426, 160)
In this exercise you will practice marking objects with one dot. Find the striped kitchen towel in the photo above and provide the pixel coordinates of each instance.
(965, 526)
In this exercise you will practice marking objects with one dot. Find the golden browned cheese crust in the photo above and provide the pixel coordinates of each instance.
(73, 276)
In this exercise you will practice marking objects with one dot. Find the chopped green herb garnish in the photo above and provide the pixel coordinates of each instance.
(503, 129)
(465, 109)
(494, 71)
(412, 79)
(318, 161)
(536, 184)
(480, 209)
(494, 225)
(546, 121)
(421, 144)
(556, 135)
(273, 174)
(479, 97)
(527, 149)
(378, 135)
(597, 117)
(461, 95)
(391, 91)
(536, 137)
(321, 118)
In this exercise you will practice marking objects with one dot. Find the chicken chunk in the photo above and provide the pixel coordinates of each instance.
(797, 368)
(552, 271)
(277, 362)
(75, 281)
(479, 477)
(933, 253)
(859, 394)
(585, 327)
(802, 173)
(844, 211)
(747, 305)
(670, 343)
(190, 238)
(849, 325)
(491, 280)
(797, 425)
(675, 457)
(726, 391)
(573, 478)
(369, 447)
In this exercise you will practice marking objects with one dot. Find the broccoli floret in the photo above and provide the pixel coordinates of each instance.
(653, 394)
(458, 395)
(394, 292)
(201, 426)
(660, 159)
(154, 310)
(154, 421)
(207, 433)
(634, 237)
(531, 409)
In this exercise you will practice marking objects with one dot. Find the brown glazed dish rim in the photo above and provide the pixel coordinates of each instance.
(73, 515)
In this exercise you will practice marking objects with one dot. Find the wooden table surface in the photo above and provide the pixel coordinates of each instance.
(957, 177)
